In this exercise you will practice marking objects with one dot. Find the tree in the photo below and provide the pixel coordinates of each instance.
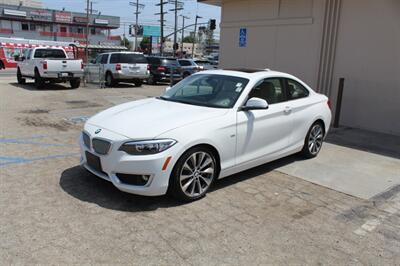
(188, 39)
(145, 43)
(125, 42)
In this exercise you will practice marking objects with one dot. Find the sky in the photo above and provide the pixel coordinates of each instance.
(122, 9)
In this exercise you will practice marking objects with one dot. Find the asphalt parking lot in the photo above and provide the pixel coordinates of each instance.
(54, 212)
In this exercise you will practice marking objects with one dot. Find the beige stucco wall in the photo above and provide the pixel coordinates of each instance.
(368, 56)
(287, 35)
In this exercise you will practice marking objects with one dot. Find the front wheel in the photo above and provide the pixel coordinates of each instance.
(20, 79)
(110, 82)
(152, 80)
(193, 174)
(313, 141)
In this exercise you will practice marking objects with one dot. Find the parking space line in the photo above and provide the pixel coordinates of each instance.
(21, 160)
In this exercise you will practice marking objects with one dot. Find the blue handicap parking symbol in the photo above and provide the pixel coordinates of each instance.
(243, 37)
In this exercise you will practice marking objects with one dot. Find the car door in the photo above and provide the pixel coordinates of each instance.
(299, 103)
(23, 65)
(263, 134)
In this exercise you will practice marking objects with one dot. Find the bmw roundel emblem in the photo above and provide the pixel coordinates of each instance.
(97, 131)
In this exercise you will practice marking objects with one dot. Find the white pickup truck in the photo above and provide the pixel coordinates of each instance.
(49, 65)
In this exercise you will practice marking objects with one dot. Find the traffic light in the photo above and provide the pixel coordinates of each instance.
(176, 46)
(213, 24)
(130, 30)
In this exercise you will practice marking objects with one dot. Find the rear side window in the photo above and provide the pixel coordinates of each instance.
(185, 63)
(171, 62)
(49, 53)
(295, 90)
(154, 60)
(128, 59)
(104, 59)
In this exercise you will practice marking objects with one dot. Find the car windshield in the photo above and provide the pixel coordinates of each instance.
(49, 53)
(211, 90)
(128, 59)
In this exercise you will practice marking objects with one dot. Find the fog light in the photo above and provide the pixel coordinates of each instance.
(145, 178)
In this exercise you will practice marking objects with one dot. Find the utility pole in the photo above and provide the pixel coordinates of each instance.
(137, 6)
(87, 32)
(195, 34)
(177, 6)
(162, 13)
(183, 31)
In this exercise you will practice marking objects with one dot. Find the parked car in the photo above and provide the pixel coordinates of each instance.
(161, 68)
(211, 125)
(214, 60)
(49, 65)
(204, 64)
(189, 67)
(131, 67)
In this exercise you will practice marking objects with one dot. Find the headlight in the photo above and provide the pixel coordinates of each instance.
(146, 147)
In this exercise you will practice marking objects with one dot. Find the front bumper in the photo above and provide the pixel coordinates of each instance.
(119, 162)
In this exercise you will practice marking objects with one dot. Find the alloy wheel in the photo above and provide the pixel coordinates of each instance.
(197, 174)
(315, 139)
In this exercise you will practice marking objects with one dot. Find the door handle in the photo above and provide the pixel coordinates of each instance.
(288, 110)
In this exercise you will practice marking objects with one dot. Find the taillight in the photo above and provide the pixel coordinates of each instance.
(44, 65)
(161, 69)
(329, 104)
(148, 67)
(118, 67)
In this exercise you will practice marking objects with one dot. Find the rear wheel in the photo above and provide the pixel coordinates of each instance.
(193, 174)
(20, 79)
(39, 82)
(75, 83)
(313, 141)
(151, 80)
(138, 83)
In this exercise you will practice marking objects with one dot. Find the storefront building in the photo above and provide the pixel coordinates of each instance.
(321, 41)
(56, 25)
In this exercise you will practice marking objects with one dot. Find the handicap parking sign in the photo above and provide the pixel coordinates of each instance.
(243, 37)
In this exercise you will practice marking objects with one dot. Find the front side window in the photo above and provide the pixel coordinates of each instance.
(270, 90)
(296, 90)
(49, 53)
(218, 91)
(104, 59)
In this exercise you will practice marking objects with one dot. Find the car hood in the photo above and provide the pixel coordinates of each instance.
(149, 118)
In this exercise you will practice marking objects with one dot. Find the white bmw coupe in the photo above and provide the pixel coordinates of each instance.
(208, 126)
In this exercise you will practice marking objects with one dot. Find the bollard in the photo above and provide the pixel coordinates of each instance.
(339, 103)
(171, 74)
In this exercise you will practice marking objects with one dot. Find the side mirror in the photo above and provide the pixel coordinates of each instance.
(167, 89)
(255, 104)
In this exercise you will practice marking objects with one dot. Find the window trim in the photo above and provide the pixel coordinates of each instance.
(283, 86)
(286, 84)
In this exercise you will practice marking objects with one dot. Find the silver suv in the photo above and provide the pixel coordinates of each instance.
(124, 67)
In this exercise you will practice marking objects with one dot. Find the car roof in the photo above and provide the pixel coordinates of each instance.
(264, 73)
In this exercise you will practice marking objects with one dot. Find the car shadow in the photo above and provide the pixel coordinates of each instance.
(46, 87)
(86, 187)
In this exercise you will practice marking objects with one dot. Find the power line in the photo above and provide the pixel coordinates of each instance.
(162, 13)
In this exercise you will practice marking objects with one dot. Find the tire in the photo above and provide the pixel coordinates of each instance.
(313, 141)
(138, 83)
(110, 82)
(193, 174)
(20, 79)
(75, 83)
(151, 80)
(39, 82)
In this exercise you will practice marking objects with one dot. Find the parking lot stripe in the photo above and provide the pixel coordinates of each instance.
(21, 160)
